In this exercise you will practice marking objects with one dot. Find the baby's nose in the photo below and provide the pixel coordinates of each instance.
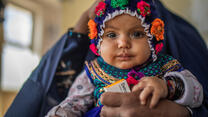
(124, 42)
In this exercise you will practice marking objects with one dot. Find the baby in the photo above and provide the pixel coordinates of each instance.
(127, 36)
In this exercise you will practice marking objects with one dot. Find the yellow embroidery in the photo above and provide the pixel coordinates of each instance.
(172, 65)
(97, 70)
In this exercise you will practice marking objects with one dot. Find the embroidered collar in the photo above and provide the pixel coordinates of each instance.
(111, 70)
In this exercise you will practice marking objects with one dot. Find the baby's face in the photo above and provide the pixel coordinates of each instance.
(124, 42)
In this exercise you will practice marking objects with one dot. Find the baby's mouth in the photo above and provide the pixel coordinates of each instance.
(124, 57)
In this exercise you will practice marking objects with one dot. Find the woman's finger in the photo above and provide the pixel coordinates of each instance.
(111, 99)
(91, 10)
(109, 112)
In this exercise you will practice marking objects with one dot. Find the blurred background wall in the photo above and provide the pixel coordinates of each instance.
(48, 20)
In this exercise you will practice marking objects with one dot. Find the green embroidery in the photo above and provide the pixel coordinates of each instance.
(119, 3)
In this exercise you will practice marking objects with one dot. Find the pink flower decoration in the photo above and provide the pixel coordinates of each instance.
(131, 77)
(94, 49)
(100, 9)
(143, 8)
(131, 81)
(158, 47)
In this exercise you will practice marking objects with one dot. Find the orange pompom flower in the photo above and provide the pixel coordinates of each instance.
(157, 29)
(93, 29)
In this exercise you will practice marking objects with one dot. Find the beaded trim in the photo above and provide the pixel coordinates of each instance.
(172, 65)
(98, 73)
(111, 70)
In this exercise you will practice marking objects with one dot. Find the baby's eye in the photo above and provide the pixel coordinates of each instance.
(138, 34)
(111, 35)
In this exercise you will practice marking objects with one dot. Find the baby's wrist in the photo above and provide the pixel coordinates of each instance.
(171, 89)
(175, 87)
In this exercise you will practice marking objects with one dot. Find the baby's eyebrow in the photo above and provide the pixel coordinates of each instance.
(111, 27)
(138, 26)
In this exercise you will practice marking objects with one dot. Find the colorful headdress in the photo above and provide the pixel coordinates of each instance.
(142, 9)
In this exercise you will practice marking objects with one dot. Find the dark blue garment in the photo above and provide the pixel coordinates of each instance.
(185, 44)
(94, 112)
(40, 93)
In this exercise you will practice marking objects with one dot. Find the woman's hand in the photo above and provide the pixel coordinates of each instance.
(81, 26)
(128, 105)
(91, 10)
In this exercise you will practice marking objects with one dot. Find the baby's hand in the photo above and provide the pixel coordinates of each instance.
(151, 85)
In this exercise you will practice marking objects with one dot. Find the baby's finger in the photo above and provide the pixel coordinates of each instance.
(139, 86)
(144, 94)
(154, 100)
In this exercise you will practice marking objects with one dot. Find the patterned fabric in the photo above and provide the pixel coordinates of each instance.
(79, 99)
(103, 74)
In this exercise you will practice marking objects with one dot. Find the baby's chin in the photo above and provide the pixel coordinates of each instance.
(124, 66)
